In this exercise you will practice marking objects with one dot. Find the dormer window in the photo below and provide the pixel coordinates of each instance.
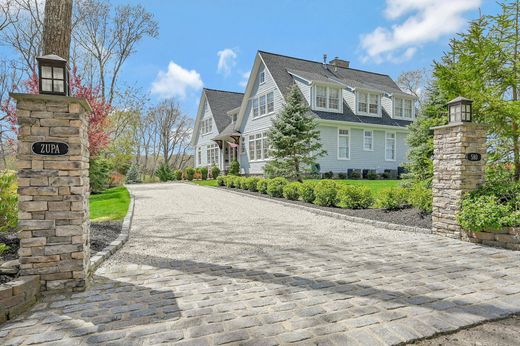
(261, 77)
(327, 98)
(403, 108)
(368, 103)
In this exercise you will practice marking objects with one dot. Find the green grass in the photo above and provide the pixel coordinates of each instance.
(111, 205)
(212, 182)
(374, 185)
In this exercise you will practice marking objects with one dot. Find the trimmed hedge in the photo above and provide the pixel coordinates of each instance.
(261, 185)
(355, 197)
(275, 186)
(251, 184)
(325, 193)
(307, 192)
(393, 199)
(291, 191)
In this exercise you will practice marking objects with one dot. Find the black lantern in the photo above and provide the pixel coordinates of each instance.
(53, 75)
(460, 110)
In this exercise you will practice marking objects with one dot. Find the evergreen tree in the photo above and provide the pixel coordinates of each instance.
(132, 176)
(294, 139)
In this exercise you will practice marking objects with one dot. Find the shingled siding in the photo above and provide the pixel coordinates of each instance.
(359, 158)
(204, 140)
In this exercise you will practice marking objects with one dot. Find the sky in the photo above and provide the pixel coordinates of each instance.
(212, 43)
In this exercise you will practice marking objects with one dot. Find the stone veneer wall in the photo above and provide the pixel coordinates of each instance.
(453, 173)
(507, 238)
(53, 191)
(17, 296)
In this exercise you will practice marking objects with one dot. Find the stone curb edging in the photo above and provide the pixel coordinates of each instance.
(380, 224)
(18, 295)
(101, 256)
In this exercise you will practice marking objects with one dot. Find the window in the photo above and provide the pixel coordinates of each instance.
(199, 156)
(207, 126)
(368, 103)
(343, 144)
(263, 105)
(261, 77)
(390, 146)
(212, 153)
(327, 98)
(242, 145)
(368, 140)
(258, 147)
(403, 108)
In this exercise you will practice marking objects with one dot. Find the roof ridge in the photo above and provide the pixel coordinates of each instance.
(224, 91)
(318, 62)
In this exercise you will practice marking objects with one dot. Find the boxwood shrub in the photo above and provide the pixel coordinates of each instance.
(325, 193)
(394, 198)
(307, 191)
(261, 185)
(275, 187)
(291, 191)
(421, 197)
(221, 180)
(230, 181)
(355, 197)
(483, 213)
(251, 184)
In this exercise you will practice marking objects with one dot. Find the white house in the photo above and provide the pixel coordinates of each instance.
(363, 116)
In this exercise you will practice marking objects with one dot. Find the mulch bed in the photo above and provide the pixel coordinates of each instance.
(407, 217)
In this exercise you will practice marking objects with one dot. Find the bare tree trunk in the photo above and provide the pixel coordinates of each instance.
(57, 28)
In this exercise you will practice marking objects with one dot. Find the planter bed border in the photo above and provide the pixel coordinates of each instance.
(101, 256)
(18, 295)
(507, 238)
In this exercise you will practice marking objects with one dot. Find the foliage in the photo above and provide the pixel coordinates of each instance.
(393, 199)
(261, 185)
(242, 183)
(215, 172)
(371, 175)
(328, 175)
(294, 139)
(421, 197)
(99, 171)
(221, 180)
(342, 175)
(307, 191)
(291, 191)
(234, 168)
(164, 172)
(133, 175)
(8, 201)
(275, 186)
(355, 175)
(178, 174)
(325, 193)
(251, 184)
(230, 181)
(197, 175)
(355, 197)
(111, 205)
(3, 248)
(189, 172)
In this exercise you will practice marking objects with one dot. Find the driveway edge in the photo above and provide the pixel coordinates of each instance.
(380, 224)
(101, 256)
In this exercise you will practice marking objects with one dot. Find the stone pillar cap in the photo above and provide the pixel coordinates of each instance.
(459, 123)
(57, 98)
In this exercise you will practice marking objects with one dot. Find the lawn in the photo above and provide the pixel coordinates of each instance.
(374, 185)
(110, 205)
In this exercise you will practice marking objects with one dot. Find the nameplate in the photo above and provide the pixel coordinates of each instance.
(50, 148)
(473, 156)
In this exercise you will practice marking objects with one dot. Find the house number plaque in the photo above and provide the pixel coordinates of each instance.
(473, 156)
(50, 148)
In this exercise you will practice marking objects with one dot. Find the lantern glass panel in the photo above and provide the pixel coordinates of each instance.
(57, 72)
(47, 85)
(46, 72)
(58, 86)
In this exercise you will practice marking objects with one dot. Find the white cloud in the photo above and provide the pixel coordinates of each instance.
(245, 78)
(423, 21)
(176, 81)
(227, 59)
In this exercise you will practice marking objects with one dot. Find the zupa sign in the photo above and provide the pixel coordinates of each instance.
(50, 148)
(473, 157)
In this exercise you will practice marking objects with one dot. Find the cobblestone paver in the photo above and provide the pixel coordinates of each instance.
(206, 267)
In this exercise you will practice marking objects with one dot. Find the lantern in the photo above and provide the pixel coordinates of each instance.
(53, 75)
(460, 110)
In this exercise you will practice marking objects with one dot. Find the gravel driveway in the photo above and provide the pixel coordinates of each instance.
(205, 266)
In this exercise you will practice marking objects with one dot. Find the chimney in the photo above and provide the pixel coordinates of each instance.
(337, 62)
(324, 59)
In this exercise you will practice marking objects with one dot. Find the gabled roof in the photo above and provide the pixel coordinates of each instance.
(221, 102)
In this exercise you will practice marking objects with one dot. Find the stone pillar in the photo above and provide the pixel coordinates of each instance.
(53, 189)
(454, 173)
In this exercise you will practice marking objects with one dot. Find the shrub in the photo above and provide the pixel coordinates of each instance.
(328, 175)
(189, 172)
(164, 172)
(116, 179)
(307, 192)
(133, 175)
(421, 198)
(292, 191)
(275, 187)
(221, 180)
(234, 168)
(261, 185)
(242, 183)
(251, 184)
(483, 213)
(8, 201)
(393, 199)
(355, 197)
(177, 175)
(356, 175)
(3, 248)
(230, 181)
(99, 172)
(215, 172)
(371, 175)
(204, 173)
(197, 175)
(325, 193)
(342, 175)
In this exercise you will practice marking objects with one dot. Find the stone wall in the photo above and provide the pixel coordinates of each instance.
(507, 238)
(453, 173)
(17, 296)
(53, 191)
